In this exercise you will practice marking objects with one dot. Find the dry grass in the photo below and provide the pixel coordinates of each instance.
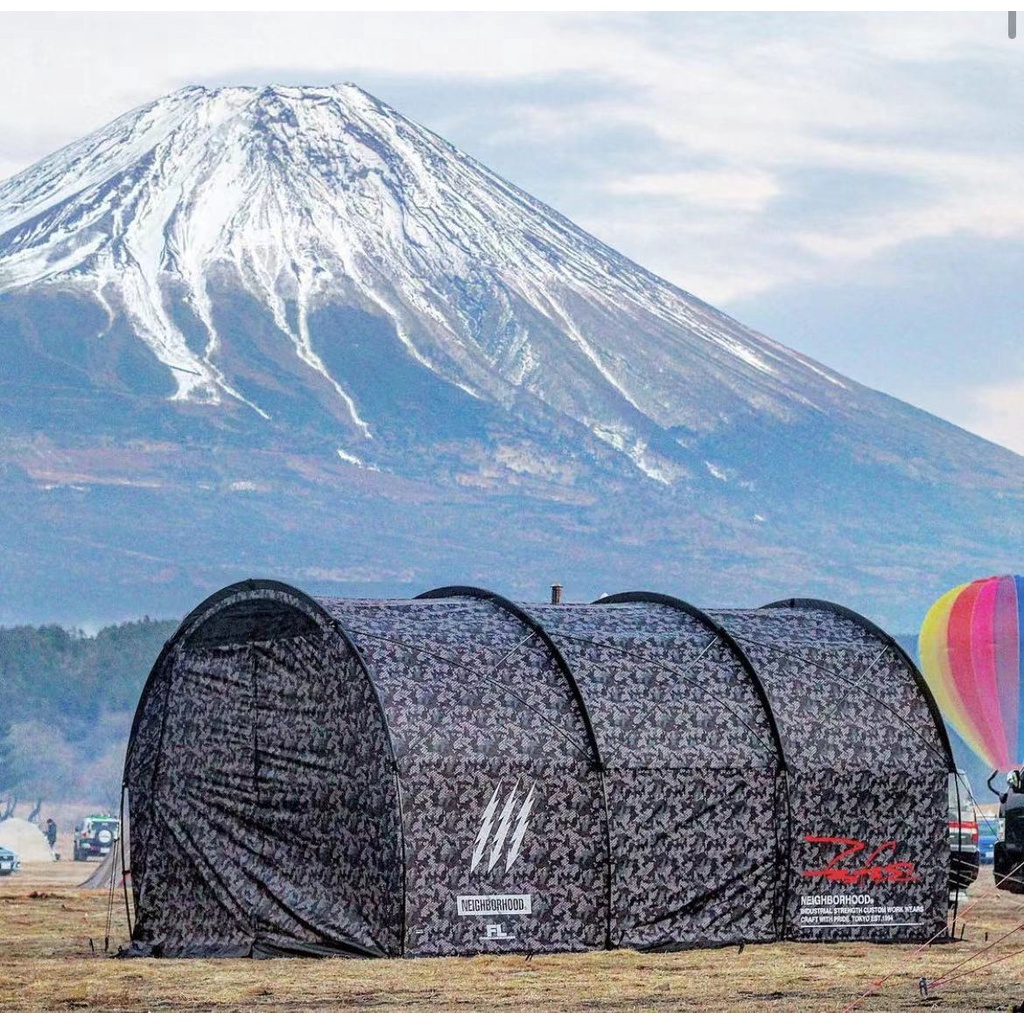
(47, 963)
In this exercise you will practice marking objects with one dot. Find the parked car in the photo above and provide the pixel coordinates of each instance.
(988, 833)
(963, 833)
(95, 836)
(9, 861)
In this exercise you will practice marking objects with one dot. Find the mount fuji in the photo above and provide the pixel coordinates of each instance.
(288, 332)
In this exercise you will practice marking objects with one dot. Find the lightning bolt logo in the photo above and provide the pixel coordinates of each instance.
(501, 833)
(517, 837)
(499, 836)
(485, 829)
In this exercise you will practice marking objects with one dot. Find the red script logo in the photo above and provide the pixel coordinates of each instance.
(844, 869)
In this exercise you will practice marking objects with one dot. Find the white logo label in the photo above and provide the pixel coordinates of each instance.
(490, 906)
(501, 833)
(496, 933)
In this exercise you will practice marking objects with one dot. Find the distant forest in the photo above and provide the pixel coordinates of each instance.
(67, 701)
(66, 707)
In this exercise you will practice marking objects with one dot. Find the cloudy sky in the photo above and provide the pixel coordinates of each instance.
(852, 185)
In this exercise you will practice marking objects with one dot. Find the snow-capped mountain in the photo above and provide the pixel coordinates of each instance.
(331, 296)
(310, 197)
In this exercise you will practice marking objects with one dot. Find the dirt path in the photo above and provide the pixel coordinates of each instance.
(48, 963)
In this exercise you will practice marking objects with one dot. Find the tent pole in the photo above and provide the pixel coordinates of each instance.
(124, 867)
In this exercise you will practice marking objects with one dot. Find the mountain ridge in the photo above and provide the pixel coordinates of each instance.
(307, 284)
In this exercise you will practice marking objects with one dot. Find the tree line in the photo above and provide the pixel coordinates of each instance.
(66, 706)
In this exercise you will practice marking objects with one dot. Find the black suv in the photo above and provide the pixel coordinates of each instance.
(95, 836)
(963, 834)
(1009, 852)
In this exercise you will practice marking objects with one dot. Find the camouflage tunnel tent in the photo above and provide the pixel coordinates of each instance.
(458, 774)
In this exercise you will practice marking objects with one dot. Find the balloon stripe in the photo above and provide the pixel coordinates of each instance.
(961, 637)
(933, 650)
(958, 653)
(971, 647)
(1006, 641)
(984, 664)
(1019, 595)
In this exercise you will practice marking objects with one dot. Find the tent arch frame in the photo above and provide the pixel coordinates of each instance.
(328, 625)
(542, 634)
(668, 601)
(841, 611)
(506, 604)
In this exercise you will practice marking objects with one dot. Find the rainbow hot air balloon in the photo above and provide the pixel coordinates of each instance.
(970, 648)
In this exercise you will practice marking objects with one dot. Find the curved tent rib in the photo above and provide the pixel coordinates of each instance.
(531, 623)
(319, 619)
(777, 747)
(862, 735)
(875, 630)
(216, 602)
(667, 601)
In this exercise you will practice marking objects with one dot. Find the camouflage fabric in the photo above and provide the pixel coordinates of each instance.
(695, 815)
(869, 846)
(263, 805)
(478, 710)
(456, 775)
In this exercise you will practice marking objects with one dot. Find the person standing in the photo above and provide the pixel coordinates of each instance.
(51, 834)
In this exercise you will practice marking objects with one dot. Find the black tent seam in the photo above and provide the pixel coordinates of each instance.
(354, 650)
(553, 649)
(870, 627)
(666, 600)
(255, 725)
(569, 676)
(484, 676)
(679, 673)
(166, 658)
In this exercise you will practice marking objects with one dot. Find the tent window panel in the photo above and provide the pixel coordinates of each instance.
(325, 801)
(250, 620)
(208, 743)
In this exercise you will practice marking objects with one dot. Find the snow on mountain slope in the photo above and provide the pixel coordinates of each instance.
(309, 197)
(286, 332)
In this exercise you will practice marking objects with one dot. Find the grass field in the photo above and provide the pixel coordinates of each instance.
(48, 962)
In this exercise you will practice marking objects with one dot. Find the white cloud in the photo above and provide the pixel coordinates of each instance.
(777, 108)
(741, 105)
(747, 191)
(996, 412)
